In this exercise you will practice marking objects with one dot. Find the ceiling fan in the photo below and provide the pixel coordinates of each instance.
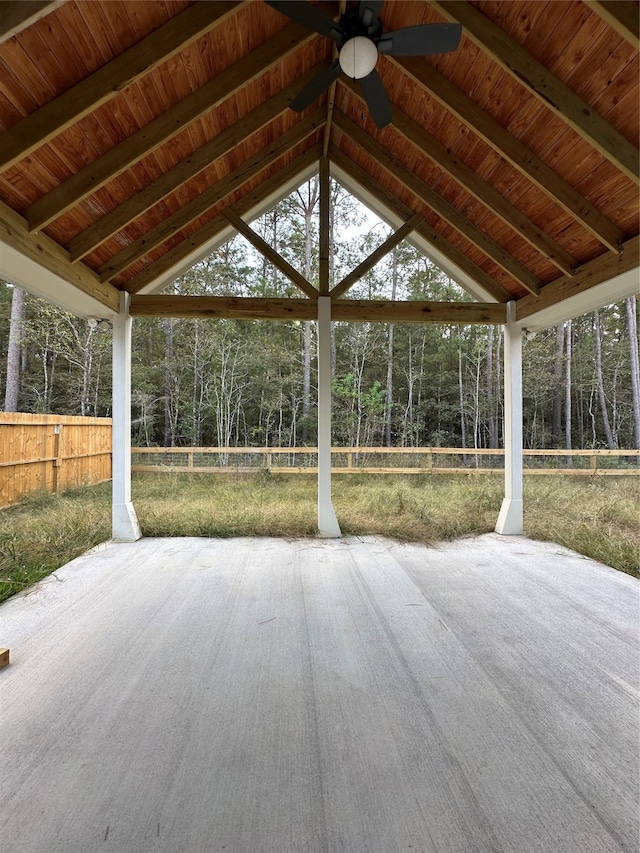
(359, 38)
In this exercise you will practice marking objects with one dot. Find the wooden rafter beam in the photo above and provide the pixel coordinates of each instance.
(389, 201)
(222, 307)
(440, 205)
(551, 91)
(325, 202)
(42, 125)
(331, 94)
(343, 310)
(166, 126)
(622, 15)
(51, 256)
(378, 311)
(331, 101)
(505, 144)
(219, 224)
(428, 145)
(269, 253)
(597, 271)
(18, 15)
(154, 192)
(376, 256)
(212, 196)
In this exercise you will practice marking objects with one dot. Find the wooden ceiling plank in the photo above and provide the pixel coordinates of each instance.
(543, 85)
(39, 127)
(622, 15)
(369, 262)
(440, 205)
(506, 145)
(18, 15)
(490, 197)
(50, 255)
(347, 310)
(167, 125)
(212, 196)
(389, 201)
(269, 253)
(597, 271)
(154, 192)
(325, 224)
(212, 229)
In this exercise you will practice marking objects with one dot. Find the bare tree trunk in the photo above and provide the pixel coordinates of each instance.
(308, 206)
(168, 390)
(600, 384)
(87, 366)
(463, 421)
(567, 396)
(632, 326)
(306, 379)
(388, 406)
(12, 387)
(556, 417)
(490, 392)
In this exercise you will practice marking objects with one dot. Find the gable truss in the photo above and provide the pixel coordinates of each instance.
(497, 243)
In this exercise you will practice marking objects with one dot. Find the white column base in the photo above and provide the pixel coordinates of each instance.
(328, 527)
(510, 519)
(124, 523)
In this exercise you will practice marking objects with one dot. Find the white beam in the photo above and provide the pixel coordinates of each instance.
(17, 268)
(615, 290)
(369, 200)
(510, 519)
(328, 526)
(125, 527)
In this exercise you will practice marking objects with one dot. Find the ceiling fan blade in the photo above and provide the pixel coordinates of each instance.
(377, 99)
(310, 16)
(368, 12)
(422, 40)
(315, 87)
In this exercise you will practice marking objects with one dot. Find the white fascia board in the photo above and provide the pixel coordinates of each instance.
(203, 251)
(26, 273)
(615, 290)
(416, 240)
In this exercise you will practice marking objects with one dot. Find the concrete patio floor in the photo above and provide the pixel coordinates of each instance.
(254, 695)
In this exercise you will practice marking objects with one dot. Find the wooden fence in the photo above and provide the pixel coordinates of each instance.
(51, 453)
(360, 460)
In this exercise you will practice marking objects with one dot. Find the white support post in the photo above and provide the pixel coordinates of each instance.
(510, 519)
(125, 527)
(328, 526)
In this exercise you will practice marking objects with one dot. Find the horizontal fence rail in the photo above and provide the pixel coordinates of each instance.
(381, 460)
(51, 453)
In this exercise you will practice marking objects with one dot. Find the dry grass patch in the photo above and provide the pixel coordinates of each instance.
(597, 518)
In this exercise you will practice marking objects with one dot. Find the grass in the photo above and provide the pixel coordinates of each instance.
(597, 518)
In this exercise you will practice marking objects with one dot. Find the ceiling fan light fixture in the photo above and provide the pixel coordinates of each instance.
(358, 57)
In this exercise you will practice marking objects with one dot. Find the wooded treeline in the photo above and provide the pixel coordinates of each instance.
(228, 382)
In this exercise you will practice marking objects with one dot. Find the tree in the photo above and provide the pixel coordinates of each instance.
(600, 383)
(632, 331)
(12, 387)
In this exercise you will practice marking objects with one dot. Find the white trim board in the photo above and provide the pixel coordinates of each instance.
(615, 290)
(24, 272)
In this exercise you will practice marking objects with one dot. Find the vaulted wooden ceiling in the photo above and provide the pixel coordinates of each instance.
(134, 134)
